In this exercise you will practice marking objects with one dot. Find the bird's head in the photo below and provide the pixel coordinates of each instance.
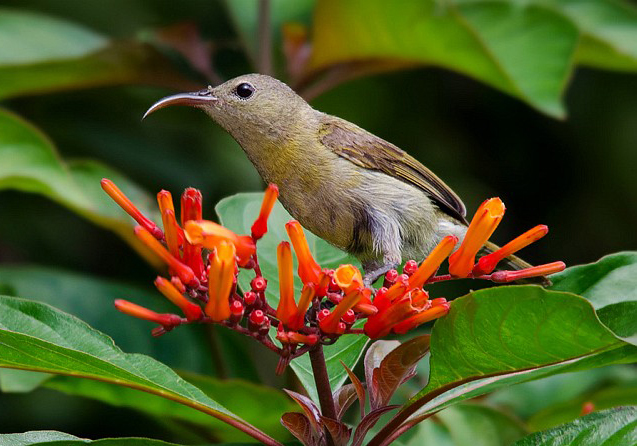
(255, 109)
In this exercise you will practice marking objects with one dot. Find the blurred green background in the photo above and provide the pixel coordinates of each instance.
(577, 174)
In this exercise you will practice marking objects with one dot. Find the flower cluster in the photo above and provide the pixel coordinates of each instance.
(204, 259)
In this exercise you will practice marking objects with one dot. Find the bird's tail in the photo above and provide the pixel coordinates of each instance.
(515, 263)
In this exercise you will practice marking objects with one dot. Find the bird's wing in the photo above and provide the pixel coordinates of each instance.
(371, 152)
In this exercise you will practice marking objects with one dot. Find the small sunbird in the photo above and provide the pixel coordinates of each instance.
(359, 192)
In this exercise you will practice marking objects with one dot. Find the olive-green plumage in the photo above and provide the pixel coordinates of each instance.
(346, 185)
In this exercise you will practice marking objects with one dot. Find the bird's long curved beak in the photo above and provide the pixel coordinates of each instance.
(198, 98)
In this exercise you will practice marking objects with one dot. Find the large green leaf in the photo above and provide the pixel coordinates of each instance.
(505, 335)
(615, 427)
(35, 336)
(54, 438)
(526, 49)
(259, 405)
(29, 162)
(609, 32)
(39, 53)
(238, 212)
(522, 49)
(610, 284)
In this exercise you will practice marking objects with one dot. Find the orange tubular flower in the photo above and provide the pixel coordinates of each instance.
(381, 323)
(122, 200)
(184, 272)
(165, 201)
(420, 318)
(431, 264)
(190, 309)
(365, 305)
(488, 263)
(210, 235)
(323, 283)
(165, 319)
(309, 270)
(173, 232)
(330, 323)
(298, 320)
(260, 225)
(534, 271)
(220, 280)
(484, 222)
(348, 277)
(286, 309)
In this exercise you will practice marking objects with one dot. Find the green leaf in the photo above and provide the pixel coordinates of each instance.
(610, 284)
(39, 54)
(30, 163)
(523, 49)
(54, 39)
(609, 32)
(35, 336)
(511, 334)
(259, 405)
(615, 427)
(53, 438)
(237, 213)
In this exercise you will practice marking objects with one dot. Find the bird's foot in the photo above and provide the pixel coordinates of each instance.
(373, 275)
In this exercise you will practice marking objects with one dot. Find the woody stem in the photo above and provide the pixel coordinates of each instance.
(322, 380)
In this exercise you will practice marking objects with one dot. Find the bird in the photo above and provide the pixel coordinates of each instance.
(346, 185)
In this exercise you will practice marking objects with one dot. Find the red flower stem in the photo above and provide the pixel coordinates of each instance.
(300, 352)
(324, 390)
(257, 267)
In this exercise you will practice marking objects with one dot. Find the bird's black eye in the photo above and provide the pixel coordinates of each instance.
(244, 90)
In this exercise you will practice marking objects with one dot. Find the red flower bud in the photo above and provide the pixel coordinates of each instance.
(410, 267)
(390, 278)
(250, 298)
(259, 284)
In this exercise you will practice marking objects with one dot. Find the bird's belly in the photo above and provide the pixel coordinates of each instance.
(322, 212)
